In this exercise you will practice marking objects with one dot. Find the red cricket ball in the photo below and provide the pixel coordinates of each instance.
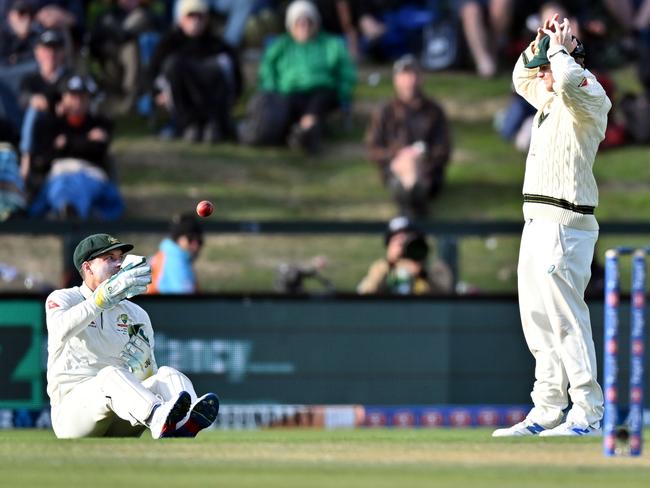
(204, 208)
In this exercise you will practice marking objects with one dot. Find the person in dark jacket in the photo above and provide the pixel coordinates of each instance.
(409, 140)
(197, 76)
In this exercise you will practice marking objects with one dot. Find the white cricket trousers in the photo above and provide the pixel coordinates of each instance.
(553, 272)
(115, 403)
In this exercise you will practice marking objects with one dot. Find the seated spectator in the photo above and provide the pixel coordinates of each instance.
(114, 42)
(408, 138)
(18, 35)
(636, 107)
(391, 28)
(67, 15)
(172, 266)
(404, 269)
(40, 92)
(236, 13)
(197, 76)
(341, 17)
(304, 75)
(487, 25)
(74, 144)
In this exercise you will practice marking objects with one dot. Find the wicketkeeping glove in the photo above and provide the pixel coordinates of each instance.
(136, 354)
(127, 283)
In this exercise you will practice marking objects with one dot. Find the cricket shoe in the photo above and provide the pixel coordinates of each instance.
(570, 429)
(526, 427)
(202, 414)
(168, 414)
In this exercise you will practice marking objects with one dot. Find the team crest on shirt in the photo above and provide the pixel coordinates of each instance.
(52, 304)
(123, 322)
(584, 82)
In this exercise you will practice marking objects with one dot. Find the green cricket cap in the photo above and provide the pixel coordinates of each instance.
(94, 245)
(541, 56)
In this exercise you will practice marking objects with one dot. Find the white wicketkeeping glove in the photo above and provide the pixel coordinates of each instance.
(127, 283)
(136, 354)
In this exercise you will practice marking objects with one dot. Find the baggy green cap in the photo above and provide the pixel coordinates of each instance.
(541, 57)
(94, 245)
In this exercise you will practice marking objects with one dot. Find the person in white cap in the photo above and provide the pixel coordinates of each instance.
(311, 71)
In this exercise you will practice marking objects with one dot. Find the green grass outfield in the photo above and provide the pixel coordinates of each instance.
(315, 458)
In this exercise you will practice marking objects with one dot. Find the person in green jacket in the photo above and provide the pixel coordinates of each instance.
(310, 71)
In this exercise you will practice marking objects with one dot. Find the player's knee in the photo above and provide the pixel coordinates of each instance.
(166, 371)
(107, 372)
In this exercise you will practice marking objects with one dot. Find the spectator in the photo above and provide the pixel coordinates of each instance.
(632, 15)
(114, 41)
(391, 28)
(487, 24)
(41, 91)
(197, 75)
(61, 14)
(18, 35)
(341, 17)
(172, 266)
(408, 138)
(74, 144)
(236, 13)
(304, 75)
(404, 269)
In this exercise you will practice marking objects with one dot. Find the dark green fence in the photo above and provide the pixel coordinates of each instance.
(316, 350)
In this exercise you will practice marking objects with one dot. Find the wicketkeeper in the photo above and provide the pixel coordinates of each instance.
(102, 376)
(557, 244)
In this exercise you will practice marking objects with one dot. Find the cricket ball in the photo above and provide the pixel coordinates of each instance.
(204, 208)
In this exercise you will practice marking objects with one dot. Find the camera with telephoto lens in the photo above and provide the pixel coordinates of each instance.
(415, 247)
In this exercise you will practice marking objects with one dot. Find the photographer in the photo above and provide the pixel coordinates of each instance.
(404, 270)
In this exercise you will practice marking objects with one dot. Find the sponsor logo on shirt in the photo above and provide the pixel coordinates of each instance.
(52, 304)
(584, 82)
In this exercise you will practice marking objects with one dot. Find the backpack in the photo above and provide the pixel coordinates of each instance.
(439, 45)
(636, 112)
(12, 195)
(266, 121)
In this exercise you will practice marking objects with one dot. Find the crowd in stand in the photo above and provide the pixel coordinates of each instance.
(68, 67)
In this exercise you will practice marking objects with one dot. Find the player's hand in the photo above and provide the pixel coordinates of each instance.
(125, 284)
(39, 102)
(560, 35)
(540, 31)
(136, 354)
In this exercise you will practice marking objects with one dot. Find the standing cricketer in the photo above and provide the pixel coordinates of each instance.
(102, 376)
(560, 232)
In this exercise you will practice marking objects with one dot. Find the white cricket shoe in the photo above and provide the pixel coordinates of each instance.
(526, 427)
(570, 429)
(168, 414)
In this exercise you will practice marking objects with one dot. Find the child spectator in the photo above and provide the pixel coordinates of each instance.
(172, 266)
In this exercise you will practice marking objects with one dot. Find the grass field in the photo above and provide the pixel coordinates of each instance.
(315, 458)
